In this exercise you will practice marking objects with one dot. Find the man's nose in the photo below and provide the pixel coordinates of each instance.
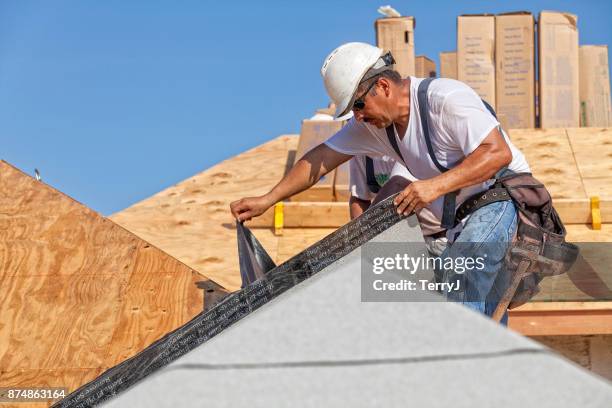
(358, 115)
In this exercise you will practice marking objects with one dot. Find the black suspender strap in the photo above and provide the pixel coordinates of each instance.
(450, 199)
(424, 113)
(489, 108)
(393, 142)
(370, 176)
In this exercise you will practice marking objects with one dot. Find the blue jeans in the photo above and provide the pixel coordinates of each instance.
(486, 238)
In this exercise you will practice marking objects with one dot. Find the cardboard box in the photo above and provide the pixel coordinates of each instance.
(396, 34)
(476, 54)
(330, 110)
(313, 133)
(595, 110)
(448, 64)
(515, 70)
(537, 103)
(558, 75)
(425, 67)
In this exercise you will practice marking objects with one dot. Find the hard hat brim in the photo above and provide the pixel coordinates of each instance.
(346, 116)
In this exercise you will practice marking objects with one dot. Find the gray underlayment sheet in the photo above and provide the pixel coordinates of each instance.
(319, 345)
(303, 337)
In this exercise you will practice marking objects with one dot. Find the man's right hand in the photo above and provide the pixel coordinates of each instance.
(249, 207)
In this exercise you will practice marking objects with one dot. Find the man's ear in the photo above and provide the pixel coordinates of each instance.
(385, 84)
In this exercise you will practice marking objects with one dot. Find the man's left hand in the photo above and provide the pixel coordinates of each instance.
(417, 195)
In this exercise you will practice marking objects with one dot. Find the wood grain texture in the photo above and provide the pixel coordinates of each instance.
(593, 352)
(585, 233)
(550, 156)
(156, 301)
(556, 323)
(306, 215)
(77, 289)
(191, 220)
(57, 322)
(191, 225)
(70, 378)
(593, 151)
(290, 244)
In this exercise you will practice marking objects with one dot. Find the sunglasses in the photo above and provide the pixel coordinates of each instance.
(359, 103)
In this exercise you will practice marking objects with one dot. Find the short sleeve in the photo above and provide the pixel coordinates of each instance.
(466, 119)
(355, 139)
(358, 180)
(401, 170)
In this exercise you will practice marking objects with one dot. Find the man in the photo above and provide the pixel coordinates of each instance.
(465, 137)
(366, 176)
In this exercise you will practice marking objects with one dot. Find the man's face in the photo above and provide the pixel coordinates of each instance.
(375, 110)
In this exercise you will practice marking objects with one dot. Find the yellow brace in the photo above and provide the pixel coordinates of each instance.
(595, 213)
(278, 218)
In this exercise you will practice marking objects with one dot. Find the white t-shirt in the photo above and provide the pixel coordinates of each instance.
(358, 178)
(384, 169)
(459, 122)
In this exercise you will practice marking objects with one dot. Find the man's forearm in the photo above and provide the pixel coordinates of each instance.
(478, 167)
(306, 172)
(299, 178)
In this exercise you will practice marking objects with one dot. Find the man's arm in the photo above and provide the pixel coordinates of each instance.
(305, 173)
(479, 166)
(357, 206)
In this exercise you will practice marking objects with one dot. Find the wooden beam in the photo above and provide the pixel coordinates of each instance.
(562, 318)
(330, 214)
(306, 214)
(578, 211)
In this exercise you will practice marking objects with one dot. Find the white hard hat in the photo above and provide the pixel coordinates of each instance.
(343, 70)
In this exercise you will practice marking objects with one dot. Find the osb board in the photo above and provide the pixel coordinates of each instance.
(551, 159)
(77, 289)
(593, 151)
(192, 221)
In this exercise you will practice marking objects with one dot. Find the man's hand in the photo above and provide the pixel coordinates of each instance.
(249, 207)
(417, 195)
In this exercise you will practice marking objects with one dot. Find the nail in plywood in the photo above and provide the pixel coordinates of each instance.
(70, 281)
(156, 300)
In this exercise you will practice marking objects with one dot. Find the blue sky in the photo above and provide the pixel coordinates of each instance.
(115, 100)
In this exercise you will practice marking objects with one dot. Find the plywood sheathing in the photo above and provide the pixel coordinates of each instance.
(550, 156)
(192, 221)
(79, 292)
(593, 151)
